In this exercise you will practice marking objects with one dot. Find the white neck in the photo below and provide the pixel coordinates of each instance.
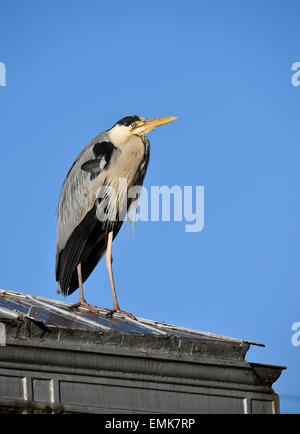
(119, 135)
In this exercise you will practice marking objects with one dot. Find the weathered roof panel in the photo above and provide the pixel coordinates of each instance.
(58, 314)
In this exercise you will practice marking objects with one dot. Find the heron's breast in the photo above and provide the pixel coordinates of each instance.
(129, 161)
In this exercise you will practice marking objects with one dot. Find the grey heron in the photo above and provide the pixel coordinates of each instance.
(120, 153)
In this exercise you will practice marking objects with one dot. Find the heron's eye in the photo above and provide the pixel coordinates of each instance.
(133, 124)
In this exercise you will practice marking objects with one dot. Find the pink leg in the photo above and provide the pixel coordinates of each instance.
(108, 260)
(82, 300)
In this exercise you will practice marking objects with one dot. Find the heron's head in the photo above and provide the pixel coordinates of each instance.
(135, 125)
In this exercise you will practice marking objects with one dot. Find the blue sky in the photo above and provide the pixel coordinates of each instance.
(73, 68)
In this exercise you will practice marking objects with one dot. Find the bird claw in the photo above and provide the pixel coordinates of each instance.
(122, 312)
(90, 307)
(95, 309)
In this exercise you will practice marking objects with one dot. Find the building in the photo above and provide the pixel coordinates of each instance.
(54, 359)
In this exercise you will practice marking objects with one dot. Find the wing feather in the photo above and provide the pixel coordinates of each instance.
(71, 254)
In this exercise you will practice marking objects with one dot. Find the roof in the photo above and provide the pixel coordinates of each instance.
(48, 351)
(54, 313)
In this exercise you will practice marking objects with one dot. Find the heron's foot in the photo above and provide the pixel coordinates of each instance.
(94, 309)
(122, 312)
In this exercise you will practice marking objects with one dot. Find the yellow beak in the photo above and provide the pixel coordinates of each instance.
(147, 125)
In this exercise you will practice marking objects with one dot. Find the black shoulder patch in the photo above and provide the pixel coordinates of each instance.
(103, 149)
(102, 152)
(127, 120)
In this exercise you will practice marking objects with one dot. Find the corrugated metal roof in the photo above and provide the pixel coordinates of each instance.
(57, 313)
